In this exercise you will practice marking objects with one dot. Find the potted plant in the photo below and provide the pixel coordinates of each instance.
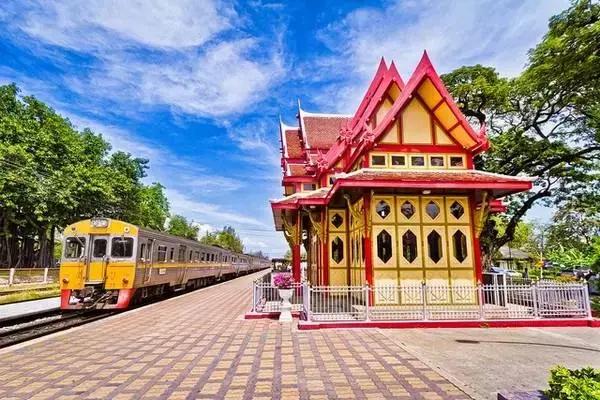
(284, 283)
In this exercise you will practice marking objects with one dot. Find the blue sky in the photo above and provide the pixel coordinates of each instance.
(198, 86)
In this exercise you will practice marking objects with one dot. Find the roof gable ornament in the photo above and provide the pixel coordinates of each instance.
(345, 134)
(368, 137)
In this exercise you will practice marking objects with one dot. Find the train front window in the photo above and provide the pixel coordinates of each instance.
(122, 247)
(74, 247)
(99, 248)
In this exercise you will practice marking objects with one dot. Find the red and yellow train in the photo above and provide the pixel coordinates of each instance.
(111, 264)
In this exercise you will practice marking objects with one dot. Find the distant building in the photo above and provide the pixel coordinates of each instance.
(511, 258)
(389, 194)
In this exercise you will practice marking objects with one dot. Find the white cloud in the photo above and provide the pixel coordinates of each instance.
(104, 23)
(259, 140)
(213, 213)
(454, 34)
(191, 56)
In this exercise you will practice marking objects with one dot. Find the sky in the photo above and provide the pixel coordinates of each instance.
(198, 86)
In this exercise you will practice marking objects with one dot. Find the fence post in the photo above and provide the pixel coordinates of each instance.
(535, 297)
(367, 301)
(306, 300)
(46, 275)
(480, 297)
(253, 296)
(424, 298)
(11, 276)
(586, 301)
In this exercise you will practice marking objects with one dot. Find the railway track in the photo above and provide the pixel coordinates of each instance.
(45, 325)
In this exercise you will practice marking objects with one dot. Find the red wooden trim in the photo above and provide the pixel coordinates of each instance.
(475, 242)
(438, 104)
(518, 323)
(325, 247)
(367, 234)
(349, 182)
(420, 148)
(453, 127)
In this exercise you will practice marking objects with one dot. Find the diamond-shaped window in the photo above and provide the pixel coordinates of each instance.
(337, 250)
(408, 209)
(384, 246)
(457, 210)
(432, 209)
(409, 246)
(459, 245)
(434, 244)
(337, 220)
(383, 209)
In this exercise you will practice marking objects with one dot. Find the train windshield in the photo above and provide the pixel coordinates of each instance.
(74, 247)
(122, 247)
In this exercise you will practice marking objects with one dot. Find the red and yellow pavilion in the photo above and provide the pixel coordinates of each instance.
(389, 195)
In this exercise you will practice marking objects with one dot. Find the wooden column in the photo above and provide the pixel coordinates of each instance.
(325, 248)
(296, 260)
(368, 249)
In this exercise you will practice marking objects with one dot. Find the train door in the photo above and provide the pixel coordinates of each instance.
(145, 257)
(98, 259)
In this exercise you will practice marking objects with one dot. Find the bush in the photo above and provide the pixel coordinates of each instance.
(577, 384)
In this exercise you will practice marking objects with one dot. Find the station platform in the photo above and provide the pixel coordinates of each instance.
(198, 346)
(26, 308)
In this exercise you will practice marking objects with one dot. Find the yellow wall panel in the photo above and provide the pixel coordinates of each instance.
(445, 115)
(331, 214)
(462, 277)
(343, 262)
(391, 136)
(383, 109)
(441, 137)
(429, 93)
(466, 231)
(394, 91)
(377, 261)
(416, 124)
(418, 260)
(432, 218)
(461, 135)
(378, 217)
(338, 277)
(464, 202)
(427, 255)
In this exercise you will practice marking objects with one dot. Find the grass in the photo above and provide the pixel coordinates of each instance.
(23, 287)
(30, 294)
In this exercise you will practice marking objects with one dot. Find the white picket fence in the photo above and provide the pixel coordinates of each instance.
(430, 302)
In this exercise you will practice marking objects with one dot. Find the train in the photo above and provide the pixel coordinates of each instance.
(111, 264)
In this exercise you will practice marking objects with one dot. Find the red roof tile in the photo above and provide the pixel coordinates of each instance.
(322, 131)
(449, 176)
(293, 143)
(297, 169)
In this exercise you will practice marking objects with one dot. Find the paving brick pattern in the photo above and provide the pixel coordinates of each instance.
(199, 347)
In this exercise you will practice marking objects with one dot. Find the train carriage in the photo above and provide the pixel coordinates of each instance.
(111, 264)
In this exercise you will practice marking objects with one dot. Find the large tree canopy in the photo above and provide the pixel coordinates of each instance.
(226, 238)
(543, 123)
(52, 175)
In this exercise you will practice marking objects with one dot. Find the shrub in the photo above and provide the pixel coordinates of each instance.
(577, 384)
(283, 281)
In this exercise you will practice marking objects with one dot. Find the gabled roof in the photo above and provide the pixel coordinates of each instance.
(320, 131)
(426, 85)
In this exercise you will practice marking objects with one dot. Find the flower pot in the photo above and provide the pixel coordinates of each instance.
(286, 306)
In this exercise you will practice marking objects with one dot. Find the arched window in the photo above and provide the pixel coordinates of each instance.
(337, 249)
(459, 245)
(384, 246)
(409, 246)
(434, 243)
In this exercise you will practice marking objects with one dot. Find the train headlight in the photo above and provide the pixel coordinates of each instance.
(99, 223)
(65, 280)
(125, 281)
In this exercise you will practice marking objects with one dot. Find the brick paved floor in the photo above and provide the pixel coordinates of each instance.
(199, 346)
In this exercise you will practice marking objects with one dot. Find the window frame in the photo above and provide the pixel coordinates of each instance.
(444, 161)
(462, 156)
(124, 238)
(403, 155)
(385, 160)
(83, 240)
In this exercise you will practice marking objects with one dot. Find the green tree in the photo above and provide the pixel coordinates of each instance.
(179, 226)
(226, 238)
(543, 123)
(51, 175)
